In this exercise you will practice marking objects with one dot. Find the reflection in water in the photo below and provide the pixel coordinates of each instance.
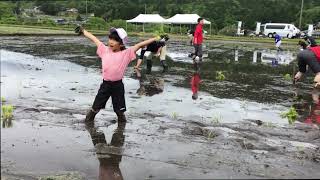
(314, 115)
(236, 55)
(255, 56)
(109, 155)
(195, 81)
(271, 57)
(309, 110)
(276, 57)
(6, 123)
(149, 85)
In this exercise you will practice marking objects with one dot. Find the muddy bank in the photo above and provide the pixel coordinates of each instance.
(172, 148)
(168, 135)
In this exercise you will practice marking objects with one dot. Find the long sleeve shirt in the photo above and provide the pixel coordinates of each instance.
(198, 36)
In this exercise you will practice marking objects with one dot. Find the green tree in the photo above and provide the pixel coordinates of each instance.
(50, 7)
(6, 10)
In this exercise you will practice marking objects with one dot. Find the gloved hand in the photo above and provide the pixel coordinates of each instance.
(164, 37)
(158, 38)
(297, 77)
(79, 30)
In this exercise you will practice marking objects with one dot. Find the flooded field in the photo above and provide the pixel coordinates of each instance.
(233, 130)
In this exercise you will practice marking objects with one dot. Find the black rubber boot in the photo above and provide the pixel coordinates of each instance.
(149, 66)
(96, 136)
(90, 116)
(121, 117)
(164, 65)
(196, 66)
(200, 59)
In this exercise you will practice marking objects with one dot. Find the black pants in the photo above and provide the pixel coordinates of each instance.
(198, 50)
(115, 89)
(307, 57)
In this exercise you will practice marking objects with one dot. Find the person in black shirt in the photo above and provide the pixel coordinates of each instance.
(157, 49)
(311, 41)
(308, 57)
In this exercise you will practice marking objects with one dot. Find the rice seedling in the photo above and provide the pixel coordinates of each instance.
(216, 119)
(175, 115)
(291, 115)
(7, 112)
(211, 135)
(287, 77)
(3, 100)
(220, 76)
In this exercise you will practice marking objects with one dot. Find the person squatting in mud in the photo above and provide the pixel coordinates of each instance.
(157, 49)
(309, 57)
(303, 45)
(311, 41)
(115, 59)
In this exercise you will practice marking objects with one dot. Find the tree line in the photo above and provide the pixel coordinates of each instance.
(221, 13)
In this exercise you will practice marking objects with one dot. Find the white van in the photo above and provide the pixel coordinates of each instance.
(282, 29)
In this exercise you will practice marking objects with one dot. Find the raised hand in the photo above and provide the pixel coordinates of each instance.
(79, 30)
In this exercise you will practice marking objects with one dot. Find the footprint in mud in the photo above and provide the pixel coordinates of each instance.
(32, 109)
(246, 144)
(210, 104)
(195, 131)
(135, 97)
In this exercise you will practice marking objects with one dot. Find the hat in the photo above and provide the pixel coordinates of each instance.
(121, 33)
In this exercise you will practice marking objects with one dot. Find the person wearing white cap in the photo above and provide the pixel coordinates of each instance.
(157, 49)
(115, 59)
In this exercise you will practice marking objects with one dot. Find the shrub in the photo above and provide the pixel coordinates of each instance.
(9, 20)
(30, 21)
(96, 23)
(79, 18)
(48, 22)
(118, 24)
(228, 30)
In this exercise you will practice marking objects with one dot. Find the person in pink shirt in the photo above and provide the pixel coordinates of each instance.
(115, 59)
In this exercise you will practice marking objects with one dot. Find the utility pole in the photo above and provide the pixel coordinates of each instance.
(302, 2)
(145, 9)
(86, 8)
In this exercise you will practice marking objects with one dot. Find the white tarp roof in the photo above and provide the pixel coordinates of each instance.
(147, 18)
(185, 19)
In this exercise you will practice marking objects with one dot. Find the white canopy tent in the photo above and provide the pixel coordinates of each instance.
(185, 19)
(147, 18)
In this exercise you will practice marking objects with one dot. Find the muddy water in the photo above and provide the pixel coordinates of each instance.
(52, 82)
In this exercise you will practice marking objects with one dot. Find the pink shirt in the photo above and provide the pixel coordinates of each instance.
(114, 64)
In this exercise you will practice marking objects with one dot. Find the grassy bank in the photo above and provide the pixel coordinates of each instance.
(10, 30)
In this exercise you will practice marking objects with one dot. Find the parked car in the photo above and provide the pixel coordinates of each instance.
(316, 34)
(282, 29)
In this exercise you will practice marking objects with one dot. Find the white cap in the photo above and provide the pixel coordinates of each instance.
(121, 33)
